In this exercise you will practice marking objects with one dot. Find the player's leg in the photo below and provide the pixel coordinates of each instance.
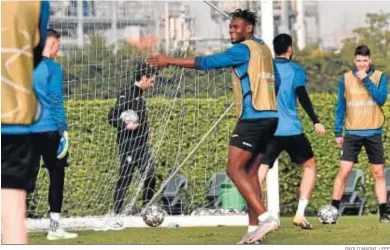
(272, 153)
(237, 160)
(253, 222)
(126, 172)
(301, 152)
(262, 174)
(15, 159)
(351, 148)
(257, 173)
(13, 210)
(34, 171)
(56, 169)
(253, 167)
(376, 156)
(249, 138)
(148, 172)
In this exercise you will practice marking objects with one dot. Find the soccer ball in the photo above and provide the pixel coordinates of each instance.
(153, 216)
(328, 214)
(129, 116)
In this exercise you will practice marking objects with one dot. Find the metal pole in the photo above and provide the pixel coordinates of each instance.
(267, 22)
(223, 13)
(167, 22)
(267, 34)
(284, 27)
(80, 25)
(300, 24)
(114, 26)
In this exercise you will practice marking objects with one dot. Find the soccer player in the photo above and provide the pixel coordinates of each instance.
(23, 31)
(49, 134)
(255, 101)
(361, 95)
(132, 137)
(289, 135)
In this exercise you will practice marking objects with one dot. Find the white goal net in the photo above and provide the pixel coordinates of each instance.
(189, 116)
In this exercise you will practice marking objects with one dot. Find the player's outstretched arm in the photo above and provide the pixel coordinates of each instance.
(162, 60)
(238, 54)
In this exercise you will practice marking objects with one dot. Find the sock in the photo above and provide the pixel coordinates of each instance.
(336, 203)
(301, 207)
(264, 216)
(251, 228)
(54, 221)
(382, 209)
(55, 216)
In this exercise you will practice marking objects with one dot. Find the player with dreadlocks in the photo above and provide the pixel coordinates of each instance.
(254, 85)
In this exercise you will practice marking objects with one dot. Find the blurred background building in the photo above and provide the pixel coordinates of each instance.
(181, 23)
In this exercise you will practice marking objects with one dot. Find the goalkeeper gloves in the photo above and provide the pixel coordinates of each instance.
(64, 145)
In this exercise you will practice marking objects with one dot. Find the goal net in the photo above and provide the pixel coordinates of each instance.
(190, 116)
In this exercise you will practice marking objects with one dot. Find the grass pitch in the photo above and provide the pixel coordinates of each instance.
(349, 230)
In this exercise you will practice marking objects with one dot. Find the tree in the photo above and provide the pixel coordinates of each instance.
(325, 68)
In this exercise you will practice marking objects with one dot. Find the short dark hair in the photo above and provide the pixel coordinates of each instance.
(144, 70)
(248, 16)
(362, 50)
(53, 33)
(281, 43)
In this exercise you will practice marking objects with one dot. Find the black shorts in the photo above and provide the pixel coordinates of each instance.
(253, 135)
(16, 151)
(297, 146)
(373, 145)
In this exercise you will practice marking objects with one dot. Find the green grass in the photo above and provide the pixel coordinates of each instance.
(349, 230)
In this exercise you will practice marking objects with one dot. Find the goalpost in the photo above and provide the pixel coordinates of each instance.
(190, 112)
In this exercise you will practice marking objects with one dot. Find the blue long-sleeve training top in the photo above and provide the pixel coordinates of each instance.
(238, 57)
(379, 95)
(47, 83)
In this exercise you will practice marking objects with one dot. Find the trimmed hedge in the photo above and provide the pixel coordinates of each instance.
(176, 127)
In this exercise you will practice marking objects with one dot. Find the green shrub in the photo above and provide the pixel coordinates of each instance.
(177, 125)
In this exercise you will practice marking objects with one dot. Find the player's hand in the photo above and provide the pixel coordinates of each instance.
(361, 74)
(160, 60)
(62, 149)
(339, 142)
(320, 129)
(132, 126)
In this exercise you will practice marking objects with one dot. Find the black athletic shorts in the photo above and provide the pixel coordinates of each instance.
(16, 151)
(373, 145)
(253, 135)
(297, 146)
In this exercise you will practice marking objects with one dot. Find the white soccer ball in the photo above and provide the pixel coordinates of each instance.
(153, 216)
(328, 214)
(129, 116)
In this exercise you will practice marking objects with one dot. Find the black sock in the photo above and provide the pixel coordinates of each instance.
(382, 209)
(336, 204)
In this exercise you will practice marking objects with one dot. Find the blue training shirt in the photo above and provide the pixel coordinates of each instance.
(237, 57)
(292, 76)
(379, 94)
(47, 83)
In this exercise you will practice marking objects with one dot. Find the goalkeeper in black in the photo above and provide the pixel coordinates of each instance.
(129, 116)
